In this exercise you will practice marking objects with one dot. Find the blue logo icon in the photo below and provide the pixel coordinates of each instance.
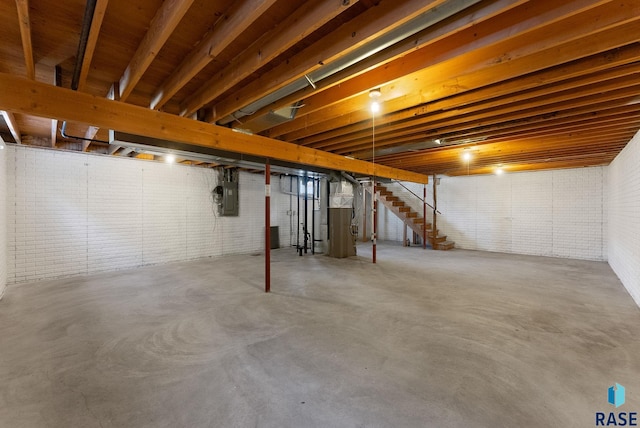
(616, 395)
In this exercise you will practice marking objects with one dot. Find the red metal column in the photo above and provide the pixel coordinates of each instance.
(424, 216)
(267, 228)
(375, 220)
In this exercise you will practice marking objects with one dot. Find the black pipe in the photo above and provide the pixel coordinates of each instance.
(313, 218)
(82, 45)
(298, 247)
(64, 135)
(328, 210)
(306, 200)
(87, 20)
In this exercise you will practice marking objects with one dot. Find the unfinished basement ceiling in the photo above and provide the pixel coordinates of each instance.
(523, 84)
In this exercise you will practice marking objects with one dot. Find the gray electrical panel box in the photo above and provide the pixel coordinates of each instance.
(229, 198)
(225, 195)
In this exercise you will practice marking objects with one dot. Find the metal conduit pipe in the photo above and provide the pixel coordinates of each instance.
(82, 45)
(87, 20)
(419, 23)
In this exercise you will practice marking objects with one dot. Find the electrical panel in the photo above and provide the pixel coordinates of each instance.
(229, 198)
(226, 194)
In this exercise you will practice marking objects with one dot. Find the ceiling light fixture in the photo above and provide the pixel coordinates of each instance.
(438, 141)
(170, 158)
(466, 155)
(499, 170)
(374, 94)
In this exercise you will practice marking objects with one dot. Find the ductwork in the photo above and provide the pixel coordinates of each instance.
(82, 45)
(419, 23)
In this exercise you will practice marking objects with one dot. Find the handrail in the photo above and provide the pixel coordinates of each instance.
(419, 197)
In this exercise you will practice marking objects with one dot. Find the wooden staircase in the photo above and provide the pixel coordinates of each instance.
(412, 218)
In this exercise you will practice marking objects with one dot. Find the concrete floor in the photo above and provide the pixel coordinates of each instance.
(421, 339)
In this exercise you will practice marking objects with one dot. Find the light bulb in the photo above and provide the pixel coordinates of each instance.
(466, 156)
(170, 158)
(375, 107)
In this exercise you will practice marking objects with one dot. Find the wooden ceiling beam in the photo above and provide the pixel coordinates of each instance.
(618, 89)
(452, 69)
(92, 40)
(464, 132)
(351, 35)
(585, 161)
(523, 132)
(161, 27)
(472, 15)
(25, 34)
(411, 105)
(10, 120)
(510, 152)
(235, 21)
(39, 99)
(309, 17)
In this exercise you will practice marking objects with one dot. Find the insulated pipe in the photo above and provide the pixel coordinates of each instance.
(267, 227)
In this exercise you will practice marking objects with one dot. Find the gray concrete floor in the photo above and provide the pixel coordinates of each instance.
(421, 339)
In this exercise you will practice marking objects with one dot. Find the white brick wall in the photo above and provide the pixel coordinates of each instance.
(623, 240)
(72, 213)
(3, 217)
(549, 213)
(558, 213)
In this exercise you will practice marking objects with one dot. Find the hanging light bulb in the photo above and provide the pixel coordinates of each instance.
(374, 94)
(466, 155)
(170, 158)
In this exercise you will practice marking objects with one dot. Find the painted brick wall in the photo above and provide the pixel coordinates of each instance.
(3, 217)
(560, 213)
(556, 213)
(623, 238)
(72, 213)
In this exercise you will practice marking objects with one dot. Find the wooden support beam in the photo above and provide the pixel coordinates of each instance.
(25, 33)
(92, 40)
(10, 120)
(373, 23)
(235, 21)
(469, 16)
(617, 89)
(162, 25)
(455, 65)
(539, 124)
(404, 107)
(39, 99)
(309, 17)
